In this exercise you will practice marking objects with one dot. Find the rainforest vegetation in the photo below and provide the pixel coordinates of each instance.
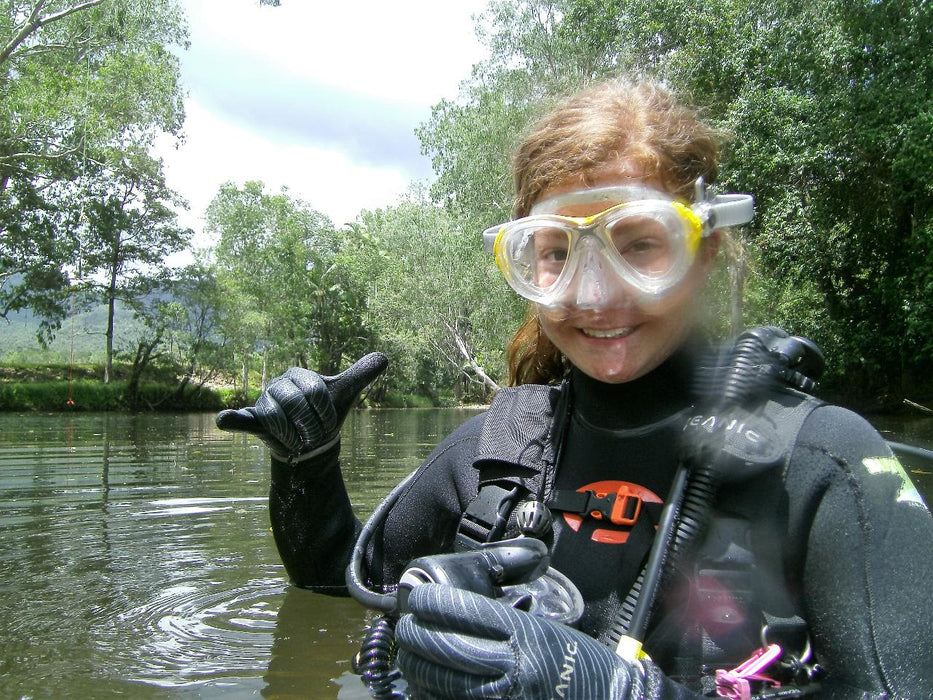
(827, 108)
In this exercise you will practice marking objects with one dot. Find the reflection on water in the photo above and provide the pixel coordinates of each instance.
(136, 558)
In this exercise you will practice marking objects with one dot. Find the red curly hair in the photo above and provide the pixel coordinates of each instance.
(642, 124)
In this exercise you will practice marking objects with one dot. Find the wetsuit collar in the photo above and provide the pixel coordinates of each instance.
(657, 395)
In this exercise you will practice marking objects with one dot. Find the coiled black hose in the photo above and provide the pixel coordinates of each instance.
(375, 661)
(759, 360)
(695, 510)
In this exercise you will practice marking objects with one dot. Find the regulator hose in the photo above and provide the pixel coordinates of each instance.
(758, 360)
(355, 576)
(375, 661)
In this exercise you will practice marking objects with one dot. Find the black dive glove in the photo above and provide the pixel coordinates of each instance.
(300, 413)
(458, 644)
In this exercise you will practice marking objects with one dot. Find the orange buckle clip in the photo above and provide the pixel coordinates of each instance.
(626, 508)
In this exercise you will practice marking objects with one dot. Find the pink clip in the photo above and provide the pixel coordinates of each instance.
(735, 684)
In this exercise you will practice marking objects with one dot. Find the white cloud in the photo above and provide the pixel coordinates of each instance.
(402, 49)
(217, 151)
(321, 97)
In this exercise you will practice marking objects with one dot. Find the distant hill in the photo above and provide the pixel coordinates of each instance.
(82, 331)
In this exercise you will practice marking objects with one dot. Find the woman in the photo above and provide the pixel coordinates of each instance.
(819, 545)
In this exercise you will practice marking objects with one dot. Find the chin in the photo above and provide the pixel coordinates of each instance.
(619, 373)
(611, 375)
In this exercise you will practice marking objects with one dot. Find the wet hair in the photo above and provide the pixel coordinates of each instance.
(640, 124)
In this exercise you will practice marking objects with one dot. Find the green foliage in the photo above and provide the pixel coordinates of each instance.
(470, 142)
(829, 107)
(234, 398)
(829, 136)
(131, 228)
(289, 291)
(188, 313)
(82, 84)
(438, 305)
(397, 400)
(94, 395)
(409, 281)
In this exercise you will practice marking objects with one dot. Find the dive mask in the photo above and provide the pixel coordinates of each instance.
(646, 238)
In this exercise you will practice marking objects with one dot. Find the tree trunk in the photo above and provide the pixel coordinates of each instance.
(491, 386)
(144, 355)
(264, 369)
(111, 307)
(180, 389)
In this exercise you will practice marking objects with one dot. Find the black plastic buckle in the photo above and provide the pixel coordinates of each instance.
(620, 508)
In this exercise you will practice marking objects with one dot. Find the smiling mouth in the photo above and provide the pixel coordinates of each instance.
(606, 333)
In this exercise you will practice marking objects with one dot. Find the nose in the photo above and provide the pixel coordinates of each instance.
(596, 285)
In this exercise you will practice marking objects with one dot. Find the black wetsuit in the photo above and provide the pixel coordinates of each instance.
(853, 543)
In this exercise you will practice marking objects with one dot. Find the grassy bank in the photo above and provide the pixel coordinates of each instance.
(94, 395)
(79, 388)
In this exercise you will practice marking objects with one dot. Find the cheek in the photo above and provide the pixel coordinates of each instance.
(559, 332)
(683, 301)
(549, 326)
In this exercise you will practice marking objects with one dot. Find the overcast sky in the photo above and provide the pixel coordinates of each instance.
(320, 95)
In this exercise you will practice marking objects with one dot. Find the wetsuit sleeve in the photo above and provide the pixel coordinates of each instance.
(425, 517)
(861, 552)
(313, 522)
(315, 528)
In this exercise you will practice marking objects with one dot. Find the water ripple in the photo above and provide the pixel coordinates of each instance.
(136, 559)
(200, 632)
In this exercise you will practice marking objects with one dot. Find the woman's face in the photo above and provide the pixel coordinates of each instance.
(616, 337)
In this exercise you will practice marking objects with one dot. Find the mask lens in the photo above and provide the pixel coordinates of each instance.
(646, 242)
(537, 255)
(552, 246)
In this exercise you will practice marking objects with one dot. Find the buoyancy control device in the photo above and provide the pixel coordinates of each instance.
(724, 440)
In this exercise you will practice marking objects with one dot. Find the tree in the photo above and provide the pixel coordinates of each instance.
(196, 340)
(829, 106)
(289, 296)
(181, 320)
(830, 103)
(431, 298)
(76, 77)
(132, 228)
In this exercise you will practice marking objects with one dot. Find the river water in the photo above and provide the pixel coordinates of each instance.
(136, 558)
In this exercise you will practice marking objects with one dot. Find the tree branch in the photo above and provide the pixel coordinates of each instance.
(34, 23)
(474, 365)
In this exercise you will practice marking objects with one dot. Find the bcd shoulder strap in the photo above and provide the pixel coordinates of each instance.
(514, 457)
(738, 561)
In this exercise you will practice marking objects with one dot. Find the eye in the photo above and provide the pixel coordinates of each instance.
(642, 245)
(551, 247)
(552, 254)
(643, 242)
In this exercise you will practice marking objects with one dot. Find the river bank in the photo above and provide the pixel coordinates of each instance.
(80, 388)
